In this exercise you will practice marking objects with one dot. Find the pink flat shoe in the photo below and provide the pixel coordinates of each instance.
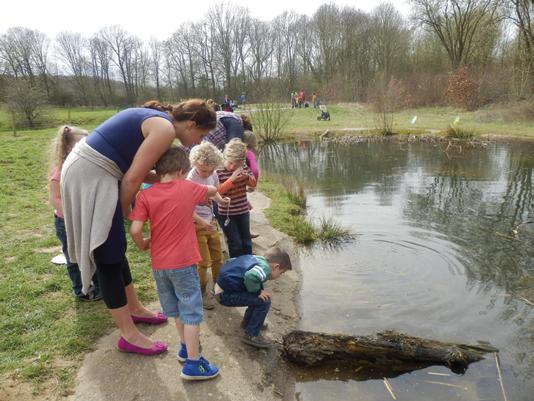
(157, 348)
(160, 318)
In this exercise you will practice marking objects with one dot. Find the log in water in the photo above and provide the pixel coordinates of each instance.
(380, 350)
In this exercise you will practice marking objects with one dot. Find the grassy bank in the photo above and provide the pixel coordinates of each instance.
(287, 214)
(44, 330)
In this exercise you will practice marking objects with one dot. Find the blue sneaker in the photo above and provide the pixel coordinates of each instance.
(199, 369)
(182, 353)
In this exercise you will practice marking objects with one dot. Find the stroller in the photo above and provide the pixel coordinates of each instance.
(325, 115)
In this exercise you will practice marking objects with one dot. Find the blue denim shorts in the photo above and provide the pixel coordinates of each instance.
(179, 294)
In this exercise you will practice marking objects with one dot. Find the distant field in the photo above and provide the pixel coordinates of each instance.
(495, 120)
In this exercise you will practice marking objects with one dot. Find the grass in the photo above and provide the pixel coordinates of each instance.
(455, 131)
(44, 330)
(491, 120)
(361, 119)
(287, 214)
(55, 116)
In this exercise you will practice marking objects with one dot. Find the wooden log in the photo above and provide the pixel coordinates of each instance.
(386, 349)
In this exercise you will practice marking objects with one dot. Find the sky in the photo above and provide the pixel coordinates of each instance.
(146, 19)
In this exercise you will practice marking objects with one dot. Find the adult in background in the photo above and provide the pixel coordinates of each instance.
(99, 181)
(229, 126)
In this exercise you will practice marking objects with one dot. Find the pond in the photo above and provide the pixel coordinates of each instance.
(443, 249)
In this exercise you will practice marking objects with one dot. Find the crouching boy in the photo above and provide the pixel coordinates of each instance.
(240, 283)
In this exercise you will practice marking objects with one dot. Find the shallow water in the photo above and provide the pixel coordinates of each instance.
(444, 249)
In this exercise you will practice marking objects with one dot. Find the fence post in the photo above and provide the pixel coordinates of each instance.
(13, 123)
(68, 117)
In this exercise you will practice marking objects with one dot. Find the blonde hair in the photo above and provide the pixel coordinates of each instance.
(235, 150)
(250, 139)
(247, 122)
(65, 139)
(206, 153)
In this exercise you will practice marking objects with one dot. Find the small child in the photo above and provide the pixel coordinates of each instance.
(205, 158)
(169, 205)
(249, 138)
(64, 142)
(235, 218)
(240, 283)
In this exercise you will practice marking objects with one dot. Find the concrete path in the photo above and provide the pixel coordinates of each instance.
(247, 374)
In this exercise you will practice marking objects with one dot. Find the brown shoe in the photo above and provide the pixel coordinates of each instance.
(254, 235)
(256, 341)
(208, 302)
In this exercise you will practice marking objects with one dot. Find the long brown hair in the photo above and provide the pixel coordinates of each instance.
(196, 110)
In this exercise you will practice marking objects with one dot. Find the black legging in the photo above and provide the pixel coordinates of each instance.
(113, 279)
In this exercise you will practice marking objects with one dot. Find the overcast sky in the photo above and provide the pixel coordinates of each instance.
(145, 19)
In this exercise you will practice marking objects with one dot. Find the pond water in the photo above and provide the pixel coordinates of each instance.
(444, 249)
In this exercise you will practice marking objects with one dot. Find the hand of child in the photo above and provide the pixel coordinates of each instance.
(264, 295)
(237, 174)
(145, 245)
(225, 201)
(208, 226)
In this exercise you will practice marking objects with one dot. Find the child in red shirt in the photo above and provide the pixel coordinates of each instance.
(169, 205)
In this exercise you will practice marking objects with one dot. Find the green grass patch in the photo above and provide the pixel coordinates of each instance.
(359, 119)
(44, 330)
(455, 131)
(52, 117)
(330, 231)
(287, 214)
(345, 116)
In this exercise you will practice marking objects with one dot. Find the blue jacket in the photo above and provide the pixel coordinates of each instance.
(246, 273)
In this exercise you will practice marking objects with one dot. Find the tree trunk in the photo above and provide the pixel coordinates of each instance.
(381, 350)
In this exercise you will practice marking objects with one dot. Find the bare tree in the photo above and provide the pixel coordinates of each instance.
(286, 27)
(455, 22)
(71, 49)
(100, 54)
(522, 15)
(26, 99)
(156, 58)
(205, 38)
(230, 25)
(125, 50)
(261, 49)
(390, 39)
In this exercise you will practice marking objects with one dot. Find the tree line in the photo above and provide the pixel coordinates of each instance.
(343, 53)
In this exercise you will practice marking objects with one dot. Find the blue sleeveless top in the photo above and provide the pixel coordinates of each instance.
(119, 137)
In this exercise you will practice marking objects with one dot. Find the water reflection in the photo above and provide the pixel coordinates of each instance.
(445, 248)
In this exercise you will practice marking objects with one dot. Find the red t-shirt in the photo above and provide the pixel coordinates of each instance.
(169, 206)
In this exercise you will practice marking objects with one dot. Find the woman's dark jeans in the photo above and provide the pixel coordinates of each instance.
(72, 268)
(256, 312)
(237, 234)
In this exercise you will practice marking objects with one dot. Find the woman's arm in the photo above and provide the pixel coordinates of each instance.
(159, 134)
